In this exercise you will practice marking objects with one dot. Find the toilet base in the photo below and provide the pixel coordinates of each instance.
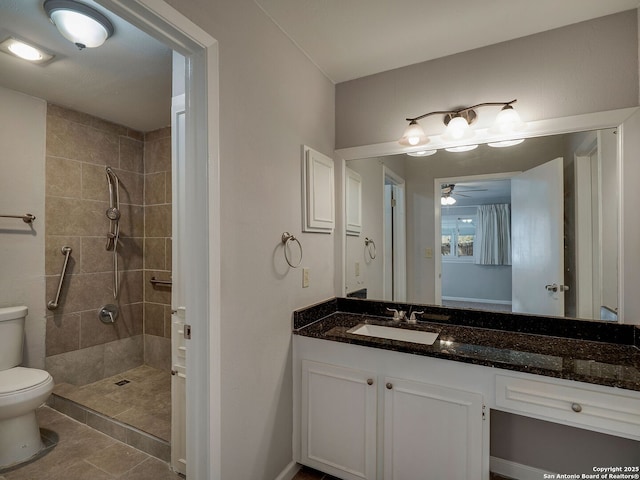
(19, 439)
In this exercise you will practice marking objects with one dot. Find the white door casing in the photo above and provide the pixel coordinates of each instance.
(202, 245)
(178, 310)
(394, 241)
(537, 231)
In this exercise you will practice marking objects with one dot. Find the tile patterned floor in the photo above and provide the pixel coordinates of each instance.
(307, 473)
(144, 402)
(77, 452)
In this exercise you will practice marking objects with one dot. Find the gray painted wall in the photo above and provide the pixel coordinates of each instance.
(482, 282)
(22, 188)
(586, 67)
(557, 448)
(272, 101)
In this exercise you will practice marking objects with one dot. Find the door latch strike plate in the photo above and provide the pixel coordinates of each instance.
(187, 332)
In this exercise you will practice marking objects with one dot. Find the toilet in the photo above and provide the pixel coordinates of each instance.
(22, 390)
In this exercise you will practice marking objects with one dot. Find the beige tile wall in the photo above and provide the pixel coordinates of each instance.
(157, 247)
(79, 347)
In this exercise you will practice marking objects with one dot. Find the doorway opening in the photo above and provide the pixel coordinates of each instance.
(199, 174)
(461, 280)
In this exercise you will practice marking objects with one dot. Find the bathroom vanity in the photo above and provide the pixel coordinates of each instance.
(373, 407)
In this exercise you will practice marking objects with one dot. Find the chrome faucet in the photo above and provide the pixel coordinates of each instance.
(398, 315)
(412, 319)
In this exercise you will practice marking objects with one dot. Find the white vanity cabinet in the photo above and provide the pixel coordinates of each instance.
(430, 431)
(339, 415)
(377, 422)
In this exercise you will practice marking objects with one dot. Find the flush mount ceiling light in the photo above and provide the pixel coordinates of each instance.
(24, 50)
(458, 126)
(79, 23)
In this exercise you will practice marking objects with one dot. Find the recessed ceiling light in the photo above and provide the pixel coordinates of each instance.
(24, 50)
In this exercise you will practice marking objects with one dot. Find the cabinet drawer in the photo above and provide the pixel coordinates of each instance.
(616, 412)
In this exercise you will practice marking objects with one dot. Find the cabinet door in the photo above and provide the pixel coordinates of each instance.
(338, 424)
(431, 431)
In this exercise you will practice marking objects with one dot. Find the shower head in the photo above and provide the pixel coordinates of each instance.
(113, 213)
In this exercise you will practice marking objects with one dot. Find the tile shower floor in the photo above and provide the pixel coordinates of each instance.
(140, 397)
(77, 452)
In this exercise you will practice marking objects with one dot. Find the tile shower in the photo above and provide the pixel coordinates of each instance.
(80, 349)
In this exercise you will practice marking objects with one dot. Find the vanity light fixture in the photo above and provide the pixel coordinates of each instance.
(24, 50)
(462, 148)
(458, 126)
(506, 143)
(422, 153)
(79, 23)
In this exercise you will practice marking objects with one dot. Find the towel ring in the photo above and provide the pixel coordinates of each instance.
(371, 247)
(286, 238)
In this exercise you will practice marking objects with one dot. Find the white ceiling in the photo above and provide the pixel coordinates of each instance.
(128, 79)
(480, 192)
(349, 39)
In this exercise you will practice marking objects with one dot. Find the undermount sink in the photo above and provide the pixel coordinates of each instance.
(392, 333)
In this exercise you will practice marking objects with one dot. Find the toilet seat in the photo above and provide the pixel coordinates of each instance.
(19, 380)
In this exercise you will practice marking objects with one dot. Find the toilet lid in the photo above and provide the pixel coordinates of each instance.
(20, 378)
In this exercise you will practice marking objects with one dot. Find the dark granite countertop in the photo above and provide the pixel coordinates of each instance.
(587, 351)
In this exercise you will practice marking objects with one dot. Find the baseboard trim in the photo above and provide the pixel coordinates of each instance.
(515, 470)
(289, 471)
(477, 300)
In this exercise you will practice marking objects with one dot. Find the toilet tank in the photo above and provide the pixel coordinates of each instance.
(11, 336)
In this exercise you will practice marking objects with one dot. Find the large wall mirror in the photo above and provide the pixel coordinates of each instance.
(532, 228)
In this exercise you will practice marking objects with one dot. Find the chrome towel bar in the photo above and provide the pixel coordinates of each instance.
(26, 218)
(286, 239)
(53, 304)
(155, 281)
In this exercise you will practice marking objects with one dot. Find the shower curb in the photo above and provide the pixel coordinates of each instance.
(154, 446)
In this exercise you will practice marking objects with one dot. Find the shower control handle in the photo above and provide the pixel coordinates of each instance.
(108, 313)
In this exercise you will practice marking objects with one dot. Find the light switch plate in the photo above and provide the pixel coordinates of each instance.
(305, 277)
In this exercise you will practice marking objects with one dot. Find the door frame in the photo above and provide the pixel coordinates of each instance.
(202, 246)
(437, 219)
(398, 268)
(584, 248)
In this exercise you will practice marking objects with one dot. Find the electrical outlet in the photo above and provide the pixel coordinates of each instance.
(305, 277)
(428, 252)
(357, 269)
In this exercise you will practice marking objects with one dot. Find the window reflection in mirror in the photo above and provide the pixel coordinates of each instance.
(589, 209)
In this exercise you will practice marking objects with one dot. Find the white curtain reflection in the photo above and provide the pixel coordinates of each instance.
(493, 235)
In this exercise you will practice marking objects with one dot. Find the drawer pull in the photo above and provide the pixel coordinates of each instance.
(389, 386)
(369, 381)
(576, 407)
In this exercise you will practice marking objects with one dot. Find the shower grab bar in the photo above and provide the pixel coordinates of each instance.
(53, 304)
(26, 218)
(155, 281)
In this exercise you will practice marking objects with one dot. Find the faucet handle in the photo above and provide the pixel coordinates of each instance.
(397, 315)
(412, 318)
